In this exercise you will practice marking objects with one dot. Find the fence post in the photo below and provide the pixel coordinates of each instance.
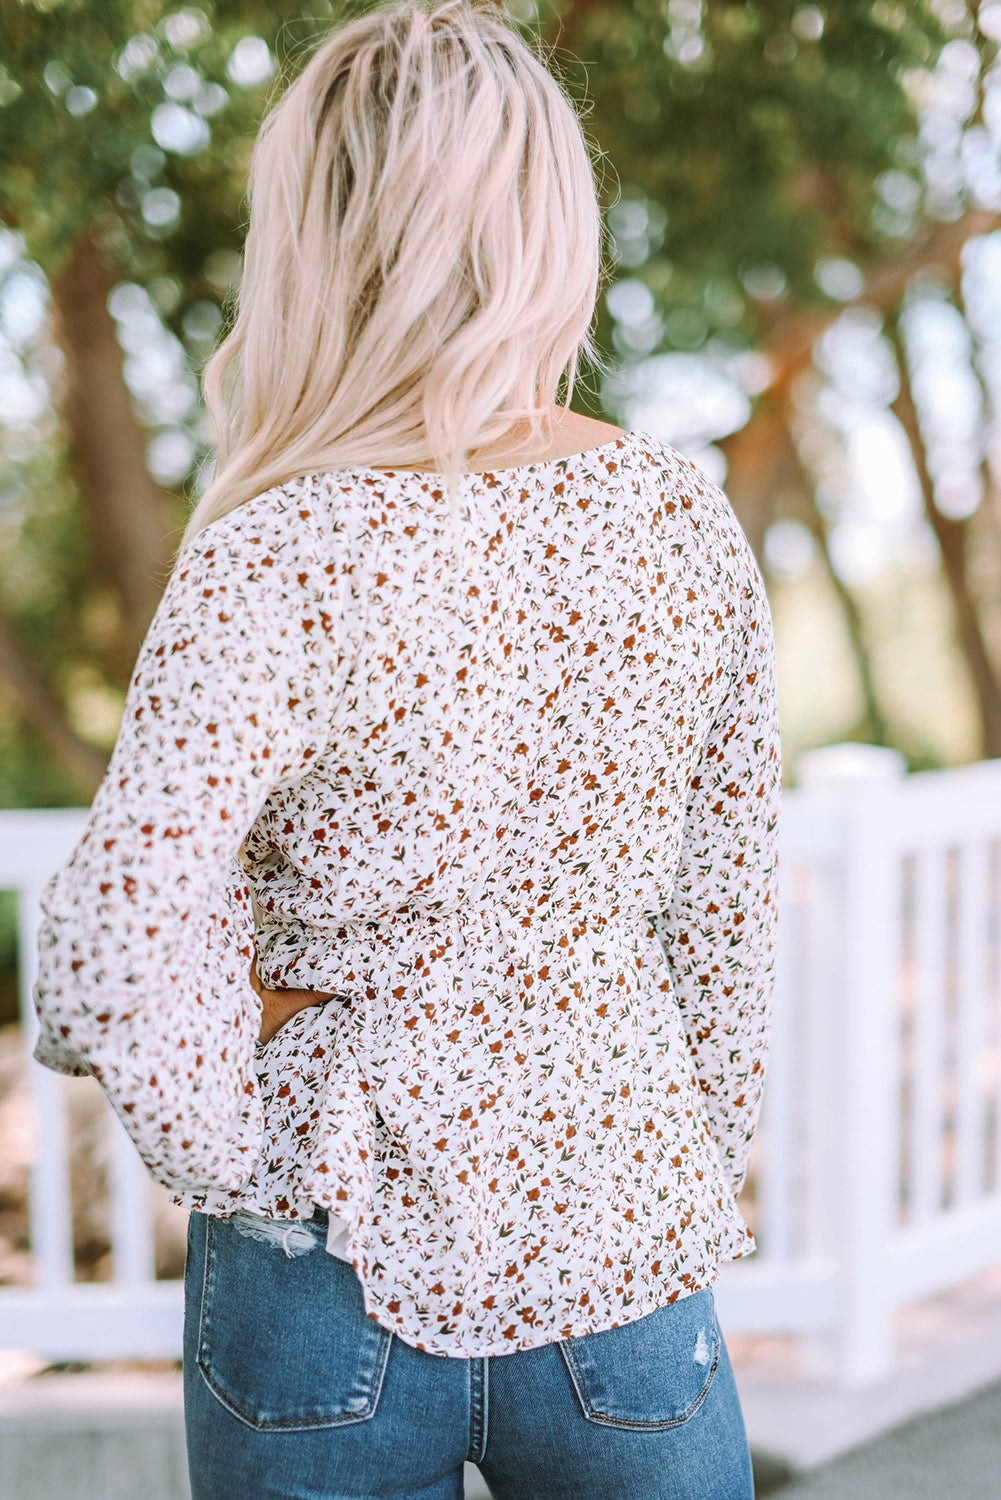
(51, 1225)
(857, 1163)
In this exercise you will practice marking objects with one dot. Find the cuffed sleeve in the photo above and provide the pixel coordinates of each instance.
(147, 931)
(718, 931)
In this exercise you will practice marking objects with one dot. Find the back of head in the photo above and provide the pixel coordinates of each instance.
(422, 260)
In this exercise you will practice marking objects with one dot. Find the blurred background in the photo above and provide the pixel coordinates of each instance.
(803, 205)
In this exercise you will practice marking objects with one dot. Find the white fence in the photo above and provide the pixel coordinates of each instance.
(875, 1177)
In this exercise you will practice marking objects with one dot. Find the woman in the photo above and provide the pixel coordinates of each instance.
(421, 934)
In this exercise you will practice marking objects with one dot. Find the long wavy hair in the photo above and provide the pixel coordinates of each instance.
(422, 261)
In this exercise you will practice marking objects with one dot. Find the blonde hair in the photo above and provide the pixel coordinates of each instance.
(422, 260)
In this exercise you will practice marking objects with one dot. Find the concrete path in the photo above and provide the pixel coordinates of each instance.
(93, 1437)
(948, 1352)
(952, 1454)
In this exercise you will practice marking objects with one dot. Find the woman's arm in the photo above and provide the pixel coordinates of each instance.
(147, 934)
(718, 931)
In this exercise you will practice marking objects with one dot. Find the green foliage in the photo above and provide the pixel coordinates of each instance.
(90, 88)
(762, 132)
(760, 128)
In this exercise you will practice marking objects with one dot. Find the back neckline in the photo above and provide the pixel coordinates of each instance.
(545, 463)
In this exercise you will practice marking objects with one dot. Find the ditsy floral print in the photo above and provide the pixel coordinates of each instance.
(516, 814)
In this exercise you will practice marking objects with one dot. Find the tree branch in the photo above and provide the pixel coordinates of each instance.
(789, 348)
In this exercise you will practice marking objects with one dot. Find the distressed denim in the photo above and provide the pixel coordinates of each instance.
(291, 1390)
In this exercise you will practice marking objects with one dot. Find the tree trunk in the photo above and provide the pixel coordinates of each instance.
(129, 513)
(754, 457)
(875, 719)
(952, 539)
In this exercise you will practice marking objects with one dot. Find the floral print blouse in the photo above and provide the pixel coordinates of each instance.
(516, 815)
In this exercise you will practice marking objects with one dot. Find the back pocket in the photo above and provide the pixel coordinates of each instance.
(653, 1372)
(284, 1341)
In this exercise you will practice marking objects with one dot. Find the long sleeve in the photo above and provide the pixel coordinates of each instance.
(147, 933)
(718, 931)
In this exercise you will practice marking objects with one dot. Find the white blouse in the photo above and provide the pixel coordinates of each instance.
(518, 818)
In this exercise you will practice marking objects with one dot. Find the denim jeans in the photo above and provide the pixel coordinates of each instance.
(291, 1390)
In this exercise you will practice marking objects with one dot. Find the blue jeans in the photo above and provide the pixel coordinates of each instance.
(291, 1390)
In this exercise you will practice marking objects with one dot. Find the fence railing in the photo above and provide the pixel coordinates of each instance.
(875, 1176)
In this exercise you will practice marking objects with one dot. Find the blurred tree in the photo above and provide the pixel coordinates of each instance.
(754, 154)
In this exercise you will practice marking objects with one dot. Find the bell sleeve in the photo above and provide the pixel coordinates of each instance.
(147, 931)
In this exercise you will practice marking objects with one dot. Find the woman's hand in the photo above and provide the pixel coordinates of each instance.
(280, 1005)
